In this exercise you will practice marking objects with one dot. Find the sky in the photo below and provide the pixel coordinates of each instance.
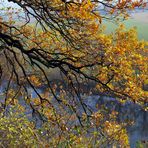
(5, 3)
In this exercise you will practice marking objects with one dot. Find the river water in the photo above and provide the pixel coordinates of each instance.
(127, 111)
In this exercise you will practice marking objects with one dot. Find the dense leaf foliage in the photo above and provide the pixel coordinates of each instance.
(67, 39)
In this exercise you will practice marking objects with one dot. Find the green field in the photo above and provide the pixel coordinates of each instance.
(142, 28)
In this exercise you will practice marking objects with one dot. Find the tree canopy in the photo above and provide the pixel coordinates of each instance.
(68, 37)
